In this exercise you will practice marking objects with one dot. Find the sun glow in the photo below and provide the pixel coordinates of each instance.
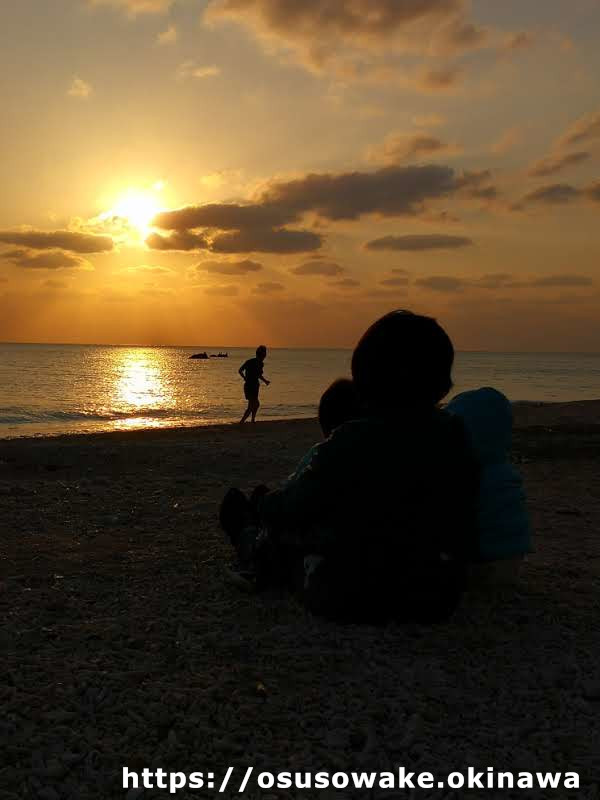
(136, 209)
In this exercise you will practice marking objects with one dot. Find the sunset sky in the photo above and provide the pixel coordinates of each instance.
(224, 172)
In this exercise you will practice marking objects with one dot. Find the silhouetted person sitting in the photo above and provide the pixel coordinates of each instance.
(252, 373)
(380, 517)
(503, 526)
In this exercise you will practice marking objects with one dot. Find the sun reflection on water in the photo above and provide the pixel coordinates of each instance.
(141, 385)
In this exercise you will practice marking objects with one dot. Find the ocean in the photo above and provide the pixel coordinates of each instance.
(48, 389)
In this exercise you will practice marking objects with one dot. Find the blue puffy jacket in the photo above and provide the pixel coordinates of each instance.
(503, 521)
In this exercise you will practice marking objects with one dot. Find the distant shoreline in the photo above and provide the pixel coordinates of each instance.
(527, 413)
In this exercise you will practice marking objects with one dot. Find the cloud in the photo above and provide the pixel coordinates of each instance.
(389, 191)
(507, 141)
(135, 7)
(459, 36)
(398, 281)
(168, 36)
(179, 240)
(428, 120)
(520, 40)
(63, 240)
(80, 88)
(584, 129)
(555, 163)
(502, 280)
(318, 267)
(50, 259)
(267, 240)
(561, 280)
(553, 194)
(224, 217)
(268, 288)
(314, 26)
(441, 283)
(346, 283)
(257, 226)
(429, 241)
(593, 192)
(222, 291)
(149, 269)
(439, 79)
(191, 69)
(352, 39)
(55, 285)
(249, 228)
(229, 267)
(399, 147)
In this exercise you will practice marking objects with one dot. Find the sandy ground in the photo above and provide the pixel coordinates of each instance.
(121, 644)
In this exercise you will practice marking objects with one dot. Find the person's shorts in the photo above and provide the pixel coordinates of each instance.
(251, 391)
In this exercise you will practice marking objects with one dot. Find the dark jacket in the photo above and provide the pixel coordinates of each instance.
(390, 505)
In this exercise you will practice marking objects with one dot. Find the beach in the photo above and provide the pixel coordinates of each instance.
(123, 644)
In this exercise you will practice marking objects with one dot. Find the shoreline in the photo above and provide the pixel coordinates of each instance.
(526, 413)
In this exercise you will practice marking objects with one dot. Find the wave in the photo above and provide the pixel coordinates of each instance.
(18, 416)
(27, 416)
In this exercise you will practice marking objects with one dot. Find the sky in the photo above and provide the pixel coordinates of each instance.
(227, 172)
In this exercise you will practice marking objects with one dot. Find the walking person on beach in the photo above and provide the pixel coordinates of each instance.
(252, 373)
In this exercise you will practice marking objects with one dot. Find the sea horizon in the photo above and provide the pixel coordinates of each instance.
(51, 389)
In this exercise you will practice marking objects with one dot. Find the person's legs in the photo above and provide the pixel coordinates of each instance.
(255, 407)
(247, 413)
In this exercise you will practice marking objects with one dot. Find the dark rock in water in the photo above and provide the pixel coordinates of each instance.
(212, 355)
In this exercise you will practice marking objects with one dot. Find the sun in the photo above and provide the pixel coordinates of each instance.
(136, 208)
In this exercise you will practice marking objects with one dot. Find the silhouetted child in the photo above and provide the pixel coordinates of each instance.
(503, 527)
(387, 500)
(338, 404)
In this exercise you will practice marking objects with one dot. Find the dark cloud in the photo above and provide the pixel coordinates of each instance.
(390, 191)
(51, 259)
(223, 217)
(398, 148)
(268, 288)
(477, 184)
(229, 267)
(556, 162)
(179, 240)
(280, 240)
(74, 241)
(553, 194)
(318, 267)
(441, 283)
(431, 241)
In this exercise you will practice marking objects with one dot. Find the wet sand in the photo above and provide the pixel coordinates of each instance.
(122, 645)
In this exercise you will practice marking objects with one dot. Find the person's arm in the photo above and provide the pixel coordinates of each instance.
(242, 370)
(264, 380)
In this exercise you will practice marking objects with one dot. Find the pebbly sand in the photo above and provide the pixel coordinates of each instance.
(122, 645)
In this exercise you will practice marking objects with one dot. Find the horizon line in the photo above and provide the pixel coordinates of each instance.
(222, 347)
